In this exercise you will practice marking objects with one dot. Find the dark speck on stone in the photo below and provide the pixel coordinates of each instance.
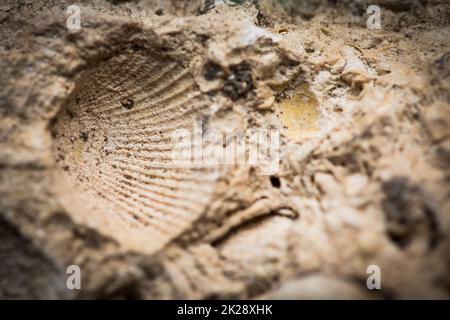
(127, 103)
(84, 136)
(239, 83)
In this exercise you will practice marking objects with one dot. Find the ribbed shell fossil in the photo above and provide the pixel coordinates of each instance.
(113, 142)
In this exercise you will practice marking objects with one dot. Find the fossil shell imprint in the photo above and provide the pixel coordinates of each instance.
(113, 141)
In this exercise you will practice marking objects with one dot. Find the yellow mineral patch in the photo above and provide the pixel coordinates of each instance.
(299, 113)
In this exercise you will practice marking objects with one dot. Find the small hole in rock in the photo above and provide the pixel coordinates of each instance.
(275, 181)
(127, 103)
(84, 136)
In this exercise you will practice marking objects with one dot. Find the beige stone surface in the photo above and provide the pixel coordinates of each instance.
(87, 176)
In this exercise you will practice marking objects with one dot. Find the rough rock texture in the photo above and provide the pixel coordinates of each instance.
(86, 177)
